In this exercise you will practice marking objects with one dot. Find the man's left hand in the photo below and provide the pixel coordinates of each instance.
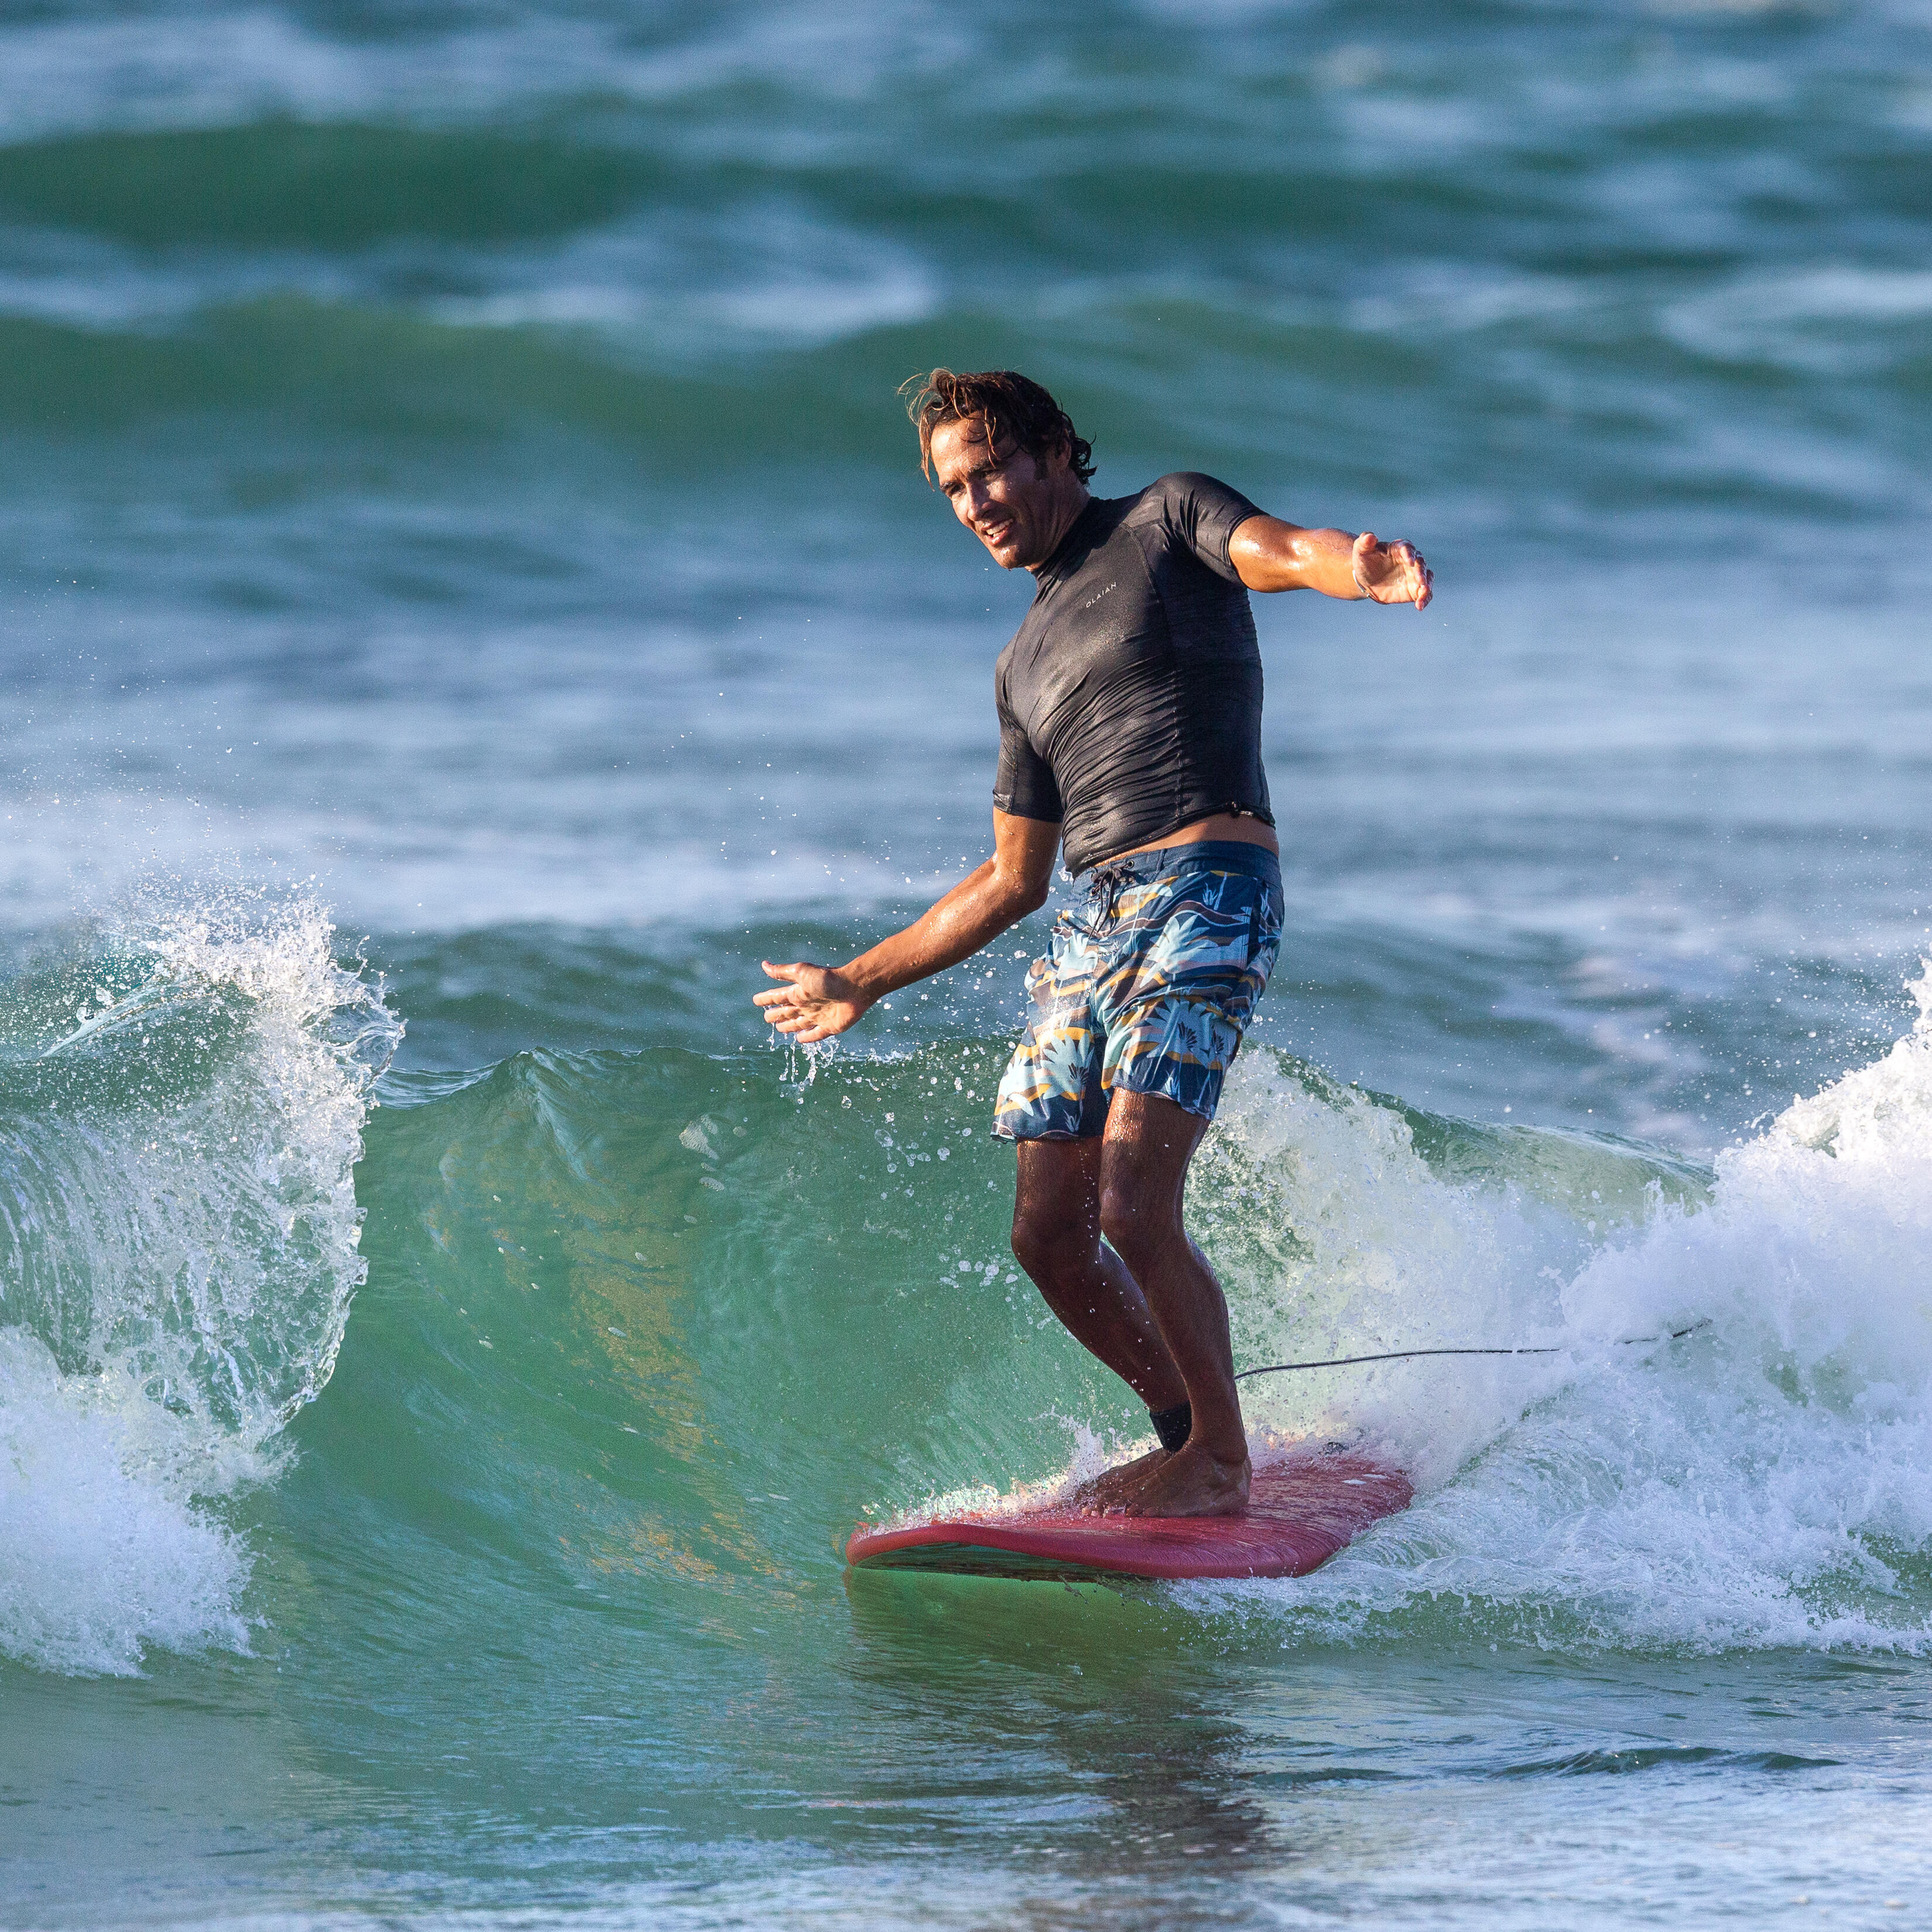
(1392, 573)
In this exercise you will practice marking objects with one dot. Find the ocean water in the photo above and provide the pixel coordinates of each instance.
(465, 595)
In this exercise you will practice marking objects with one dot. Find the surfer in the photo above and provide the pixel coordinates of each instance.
(1130, 704)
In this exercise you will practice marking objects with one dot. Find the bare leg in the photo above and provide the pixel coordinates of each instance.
(1056, 1238)
(1145, 1153)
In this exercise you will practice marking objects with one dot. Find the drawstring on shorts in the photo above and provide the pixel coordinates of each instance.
(1108, 880)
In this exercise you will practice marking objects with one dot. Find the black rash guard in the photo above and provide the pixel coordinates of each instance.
(1130, 700)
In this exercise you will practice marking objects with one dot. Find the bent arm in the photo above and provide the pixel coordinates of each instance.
(1269, 554)
(1011, 884)
(815, 1002)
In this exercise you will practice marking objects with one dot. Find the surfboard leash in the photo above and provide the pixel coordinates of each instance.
(1407, 1354)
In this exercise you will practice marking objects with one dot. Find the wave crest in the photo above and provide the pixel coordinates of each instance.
(181, 1112)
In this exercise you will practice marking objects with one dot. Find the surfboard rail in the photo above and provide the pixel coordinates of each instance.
(1301, 1510)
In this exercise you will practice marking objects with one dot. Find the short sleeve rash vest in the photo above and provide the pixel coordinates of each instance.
(1130, 699)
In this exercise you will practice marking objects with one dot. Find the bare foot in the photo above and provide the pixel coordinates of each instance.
(1191, 1482)
(1112, 1489)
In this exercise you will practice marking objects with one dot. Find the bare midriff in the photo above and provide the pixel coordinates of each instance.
(1244, 830)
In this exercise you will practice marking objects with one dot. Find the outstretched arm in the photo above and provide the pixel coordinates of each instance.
(1270, 555)
(815, 1002)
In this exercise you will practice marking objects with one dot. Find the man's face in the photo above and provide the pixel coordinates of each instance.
(1014, 503)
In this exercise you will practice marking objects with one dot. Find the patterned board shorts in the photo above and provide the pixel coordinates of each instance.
(1149, 986)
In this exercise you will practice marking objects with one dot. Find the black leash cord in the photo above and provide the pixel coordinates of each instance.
(1406, 1355)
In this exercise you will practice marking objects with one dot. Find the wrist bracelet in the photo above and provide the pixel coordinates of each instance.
(1359, 584)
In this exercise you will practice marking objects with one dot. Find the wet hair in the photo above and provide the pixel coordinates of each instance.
(1006, 402)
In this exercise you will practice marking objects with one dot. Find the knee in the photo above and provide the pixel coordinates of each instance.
(1044, 1243)
(1133, 1228)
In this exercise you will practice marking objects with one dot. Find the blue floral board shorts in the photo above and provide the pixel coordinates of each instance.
(1148, 986)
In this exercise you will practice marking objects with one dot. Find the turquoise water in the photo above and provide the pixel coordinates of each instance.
(464, 598)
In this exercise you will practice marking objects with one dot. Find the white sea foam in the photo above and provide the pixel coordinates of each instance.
(1338, 1238)
(1761, 1483)
(103, 1550)
(179, 1122)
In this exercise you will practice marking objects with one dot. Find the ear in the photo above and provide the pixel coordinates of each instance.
(1055, 462)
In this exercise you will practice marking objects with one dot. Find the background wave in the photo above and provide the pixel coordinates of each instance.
(1665, 228)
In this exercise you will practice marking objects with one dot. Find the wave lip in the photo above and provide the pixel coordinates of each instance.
(180, 1113)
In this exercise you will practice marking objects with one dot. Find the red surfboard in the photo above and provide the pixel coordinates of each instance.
(1300, 1511)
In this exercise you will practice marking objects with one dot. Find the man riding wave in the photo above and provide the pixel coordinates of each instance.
(1129, 703)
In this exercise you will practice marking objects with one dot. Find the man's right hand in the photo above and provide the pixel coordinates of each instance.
(814, 1003)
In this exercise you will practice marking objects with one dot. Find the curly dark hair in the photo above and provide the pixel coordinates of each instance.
(1010, 403)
